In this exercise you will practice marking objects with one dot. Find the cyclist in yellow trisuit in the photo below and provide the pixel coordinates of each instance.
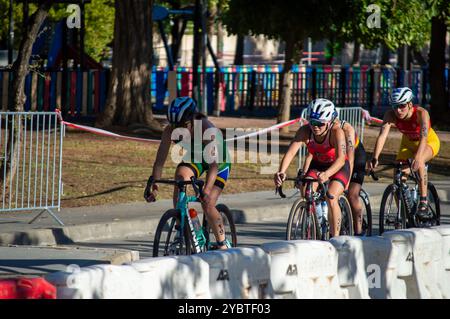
(419, 141)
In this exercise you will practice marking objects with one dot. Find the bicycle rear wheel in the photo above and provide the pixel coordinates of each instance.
(228, 223)
(302, 222)
(434, 204)
(434, 208)
(366, 213)
(389, 207)
(167, 241)
(347, 218)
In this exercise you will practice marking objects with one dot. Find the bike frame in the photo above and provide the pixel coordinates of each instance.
(182, 206)
(311, 204)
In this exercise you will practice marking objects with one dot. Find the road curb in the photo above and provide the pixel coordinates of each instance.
(140, 227)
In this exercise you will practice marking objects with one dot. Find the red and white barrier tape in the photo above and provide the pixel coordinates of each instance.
(103, 132)
(268, 129)
(110, 134)
(366, 116)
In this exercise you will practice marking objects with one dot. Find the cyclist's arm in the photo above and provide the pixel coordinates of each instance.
(307, 163)
(300, 137)
(337, 140)
(162, 153)
(349, 132)
(424, 122)
(382, 136)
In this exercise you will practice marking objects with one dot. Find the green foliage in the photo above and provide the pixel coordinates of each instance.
(99, 27)
(99, 23)
(401, 22)
(284, 19)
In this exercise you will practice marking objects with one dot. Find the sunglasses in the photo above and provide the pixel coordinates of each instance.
(400, 106)
(316, 123)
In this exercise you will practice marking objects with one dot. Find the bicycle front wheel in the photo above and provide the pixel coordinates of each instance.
(302, 222)
(228, 223)
(390, 218)
(168, 239)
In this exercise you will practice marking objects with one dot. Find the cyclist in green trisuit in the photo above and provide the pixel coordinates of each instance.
(200, 158)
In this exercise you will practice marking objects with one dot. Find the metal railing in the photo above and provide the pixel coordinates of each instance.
(353, 115)
(31, 162)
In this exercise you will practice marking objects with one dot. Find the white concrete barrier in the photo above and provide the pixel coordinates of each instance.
(304, 269)
(444, 282)
(180, 277)
(419, 259)
(97, 282)
(381, 266)
(351, 266)
(238, 273)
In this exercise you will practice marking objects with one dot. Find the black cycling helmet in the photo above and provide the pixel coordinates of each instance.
(181, 110)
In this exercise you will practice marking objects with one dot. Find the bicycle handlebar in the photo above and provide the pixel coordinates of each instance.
(197, 184)
(400, 164)
(372, 174)
(324, 186)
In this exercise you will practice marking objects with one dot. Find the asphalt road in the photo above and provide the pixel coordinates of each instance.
(249, 234)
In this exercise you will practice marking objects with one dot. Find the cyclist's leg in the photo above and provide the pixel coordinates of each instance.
(336, 187)
(432, 149)
(355, 187)
(356, 205)
(312, 172)
(405, 152)
(422, 208)
(213, 216)
(184, 172)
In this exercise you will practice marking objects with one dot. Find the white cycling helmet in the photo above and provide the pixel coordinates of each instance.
(322, 110)
(401, 96)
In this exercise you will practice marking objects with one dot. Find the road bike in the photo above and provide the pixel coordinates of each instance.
(176, 235)
(399, 202)
(308, 221)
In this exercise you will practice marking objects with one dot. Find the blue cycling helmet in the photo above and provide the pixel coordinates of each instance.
(181, 110)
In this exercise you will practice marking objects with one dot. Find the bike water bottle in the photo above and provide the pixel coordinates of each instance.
(414, 191)
(325, 209)
(319, 211)
(195, 220)
(407, 194)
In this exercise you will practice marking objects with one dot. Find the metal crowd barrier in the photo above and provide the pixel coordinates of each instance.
(31, 162)
(353, 115)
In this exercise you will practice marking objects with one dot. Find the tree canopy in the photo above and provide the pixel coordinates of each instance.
(99, 23)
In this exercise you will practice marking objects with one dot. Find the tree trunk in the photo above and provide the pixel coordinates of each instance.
(17, 97)
(129, 99)
(175, 34)
(20, 67)
(439, 97)
(219, 54)
(384, 54)
(356, 53)
(292, 53)
(418, 57)
(239, 55)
